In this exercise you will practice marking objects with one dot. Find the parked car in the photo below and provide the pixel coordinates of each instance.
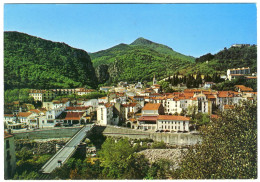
(57, 125)
(67, 124)
(166, 130)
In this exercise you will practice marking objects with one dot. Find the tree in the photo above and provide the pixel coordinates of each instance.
(160, 169)
(228, 149)
(120, 161)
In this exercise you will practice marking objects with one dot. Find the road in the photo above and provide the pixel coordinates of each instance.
(67, 151)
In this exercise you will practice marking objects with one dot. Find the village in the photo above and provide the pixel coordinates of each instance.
(128, 105)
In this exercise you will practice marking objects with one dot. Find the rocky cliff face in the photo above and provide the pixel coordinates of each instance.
(102, 73)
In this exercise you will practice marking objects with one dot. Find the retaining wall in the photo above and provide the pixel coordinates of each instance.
(170, 138)
(46, 134)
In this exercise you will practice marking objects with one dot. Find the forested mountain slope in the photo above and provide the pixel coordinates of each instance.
(233, 57)
(32, 62)
(138, 61)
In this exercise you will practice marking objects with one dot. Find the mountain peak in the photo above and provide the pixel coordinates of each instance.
(141, 41)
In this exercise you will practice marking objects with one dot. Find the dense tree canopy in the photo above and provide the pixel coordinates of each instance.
(31, 62)
(228, 149)
(139, 61)
(234, 57)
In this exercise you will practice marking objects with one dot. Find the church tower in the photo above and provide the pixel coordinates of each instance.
(154, 80)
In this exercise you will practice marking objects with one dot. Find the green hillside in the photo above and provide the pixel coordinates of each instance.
(32, 62)
(234, 57)
(163, 49)
(138, 61)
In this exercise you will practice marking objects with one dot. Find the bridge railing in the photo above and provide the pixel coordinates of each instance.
(51, 159)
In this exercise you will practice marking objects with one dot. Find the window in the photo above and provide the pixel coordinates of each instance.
(7, 144)
(8, 155)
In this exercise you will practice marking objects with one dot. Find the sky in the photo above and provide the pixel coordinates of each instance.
(191, 29)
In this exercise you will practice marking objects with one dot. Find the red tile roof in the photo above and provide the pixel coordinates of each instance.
(103, 98)
(7, 135)
(192, 90)
(71, 115)
(195, 98)
(244, 88)
(35, 110)
(77, 108)
(108, 105)
(251, 77)
(151, 106)
(171, 96)
(226, 94)
(148, 118)
(172, 117)
(129, 105)
(157, 98)
(132, 119)
(229, 106)
(214, 116)
(8, 115)
(156, 85)
(210, 96)
(24, 114)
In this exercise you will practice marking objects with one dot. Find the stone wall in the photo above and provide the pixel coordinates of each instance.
(170, 138)
(40, 146)
(46, 134)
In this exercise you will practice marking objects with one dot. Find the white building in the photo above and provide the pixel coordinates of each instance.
(103, 100)
(9, 119)
(23, 117)
(233, 73)
(105, 114)
(151, 109)
(202, 103)
(172, 123)
(91, 102)
(130, 109)
(49, 119)
(172, 105)
(37, 95)
(83, 91)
